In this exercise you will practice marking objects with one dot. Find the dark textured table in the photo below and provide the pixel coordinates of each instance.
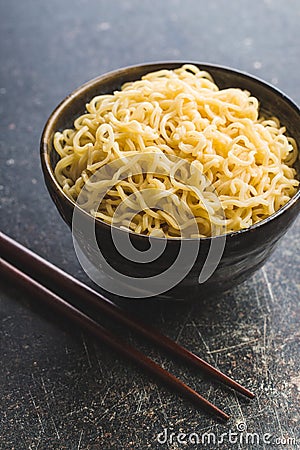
(60, 389)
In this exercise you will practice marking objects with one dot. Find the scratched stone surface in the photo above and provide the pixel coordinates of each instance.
(60, 389)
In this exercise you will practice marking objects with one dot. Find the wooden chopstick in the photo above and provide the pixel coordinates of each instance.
(41, 292)
(50, 275)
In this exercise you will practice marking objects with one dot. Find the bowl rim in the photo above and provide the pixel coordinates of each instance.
(154, 65)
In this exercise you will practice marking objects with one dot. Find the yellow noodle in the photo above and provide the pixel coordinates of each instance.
(246, 158)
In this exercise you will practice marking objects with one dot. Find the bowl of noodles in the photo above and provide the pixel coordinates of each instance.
(177, 179)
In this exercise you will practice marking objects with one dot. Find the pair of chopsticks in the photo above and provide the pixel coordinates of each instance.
(36, 275)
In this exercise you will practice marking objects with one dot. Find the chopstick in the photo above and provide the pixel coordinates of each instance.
(104, 335)
(41, 277)
(49, 274)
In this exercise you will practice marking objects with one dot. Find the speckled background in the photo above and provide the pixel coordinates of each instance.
(60, 389)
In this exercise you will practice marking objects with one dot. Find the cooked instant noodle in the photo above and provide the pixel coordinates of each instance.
(180, 115)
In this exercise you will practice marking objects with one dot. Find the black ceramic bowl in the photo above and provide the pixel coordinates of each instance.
(245, 251)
